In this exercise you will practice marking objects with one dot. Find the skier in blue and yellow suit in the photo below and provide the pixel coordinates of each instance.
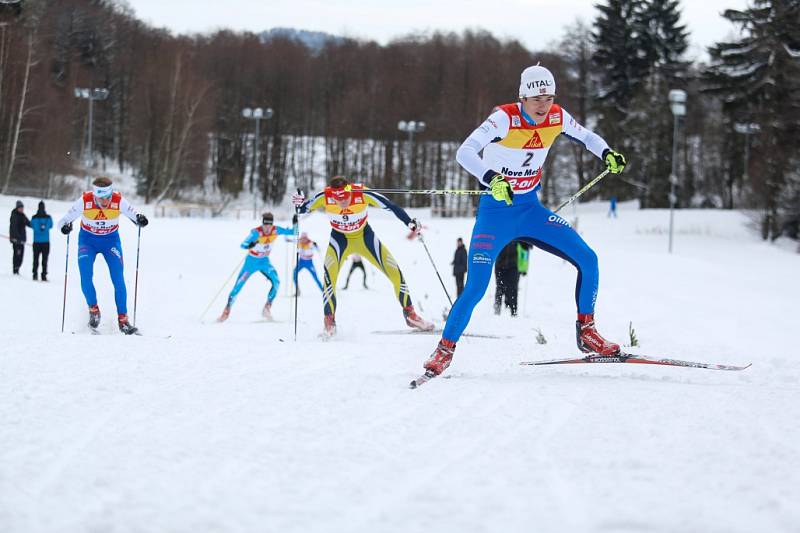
(346, 206)
(259, 242)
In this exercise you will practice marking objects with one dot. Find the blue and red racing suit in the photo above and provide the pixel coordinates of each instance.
(99, 234)
(514, 146)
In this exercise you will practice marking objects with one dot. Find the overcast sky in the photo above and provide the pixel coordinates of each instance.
(535, 23)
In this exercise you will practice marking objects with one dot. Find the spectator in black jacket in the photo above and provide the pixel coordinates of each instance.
(41, 223)
(459, 266)
(17, 235)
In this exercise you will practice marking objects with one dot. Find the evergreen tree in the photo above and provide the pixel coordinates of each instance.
(663, 41)
(577, 49)
(639, 46)
(619, 60)
(758, 78)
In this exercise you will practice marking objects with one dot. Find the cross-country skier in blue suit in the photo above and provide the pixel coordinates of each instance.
(259, 242)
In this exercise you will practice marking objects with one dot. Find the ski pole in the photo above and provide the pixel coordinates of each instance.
(583, 190)
(419, 236)
(64, 305)
(296, 261)
(474, 192)
(136, 279)
(470, 192)
(214, 299)
(9, 238)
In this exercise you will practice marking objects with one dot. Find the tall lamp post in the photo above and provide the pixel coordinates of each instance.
(411, 127)
(677, 102)
(92, 95)
(256, 114)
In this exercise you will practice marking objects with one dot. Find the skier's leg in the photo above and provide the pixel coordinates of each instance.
(272, 275)
(244, 275)
(493, 229)
(112, 253)
(553, 234)
(313, 272)
(382, 258)
(336, 253)
(86, 256)
(376, 253)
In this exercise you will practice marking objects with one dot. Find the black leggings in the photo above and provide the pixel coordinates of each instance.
(43, 249)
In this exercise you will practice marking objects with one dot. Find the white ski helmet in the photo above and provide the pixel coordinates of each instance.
(536, 81)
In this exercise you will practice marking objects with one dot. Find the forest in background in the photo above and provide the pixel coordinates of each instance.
(173, 115)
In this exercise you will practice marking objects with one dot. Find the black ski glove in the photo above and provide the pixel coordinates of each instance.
(66, 228)
(141, 220)
(251, 244)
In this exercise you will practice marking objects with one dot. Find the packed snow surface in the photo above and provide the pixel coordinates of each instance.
(204, 427)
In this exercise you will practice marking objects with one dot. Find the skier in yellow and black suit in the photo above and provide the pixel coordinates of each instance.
(346, 207)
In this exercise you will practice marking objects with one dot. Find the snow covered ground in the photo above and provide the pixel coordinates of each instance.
(205, 427)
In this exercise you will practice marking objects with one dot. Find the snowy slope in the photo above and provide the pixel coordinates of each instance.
(233, 427)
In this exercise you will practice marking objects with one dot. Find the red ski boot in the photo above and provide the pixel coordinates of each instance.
(225, 314)
(267, 311)
(589, 340)
(330, 327)
(125, 326)
(441, 357)
(94, 317)
(415, 321)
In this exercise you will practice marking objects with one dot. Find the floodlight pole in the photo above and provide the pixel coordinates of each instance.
(256, 114)
(91, 95)
(677, 100)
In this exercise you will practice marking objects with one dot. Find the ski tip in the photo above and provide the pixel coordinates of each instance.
(424, 378)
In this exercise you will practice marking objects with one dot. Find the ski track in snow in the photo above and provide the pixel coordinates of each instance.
(200, 426)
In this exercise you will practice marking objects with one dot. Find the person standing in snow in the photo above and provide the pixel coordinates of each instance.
(99, 210)
(305, 253)
(17, 235)
(612, 207)
(259, 243)
(346, 206)
(41, 223)
(356, 263)
(515, 140)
